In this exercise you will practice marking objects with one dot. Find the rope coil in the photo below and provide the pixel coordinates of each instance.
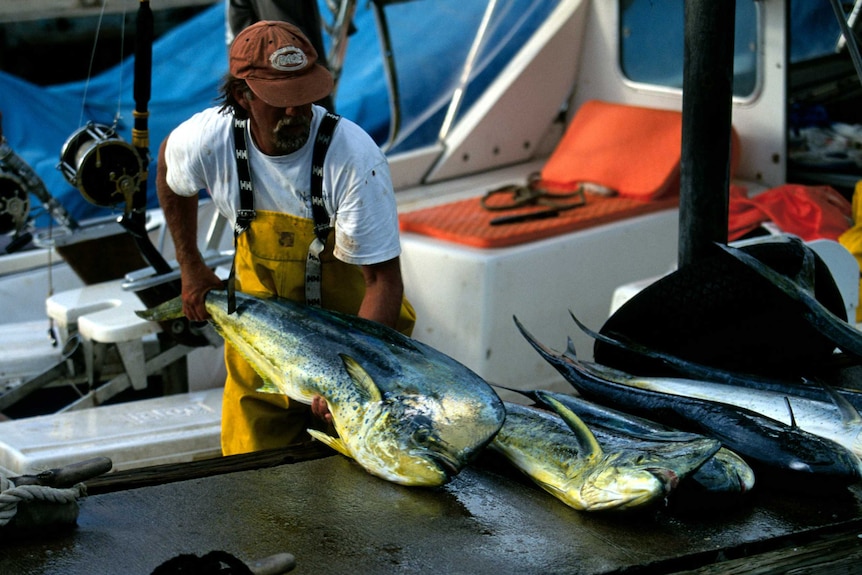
(11, 495)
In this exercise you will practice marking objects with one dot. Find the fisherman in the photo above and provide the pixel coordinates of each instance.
(292, 204)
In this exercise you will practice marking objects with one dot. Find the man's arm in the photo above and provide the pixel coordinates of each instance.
(181, 215)
(384, 291)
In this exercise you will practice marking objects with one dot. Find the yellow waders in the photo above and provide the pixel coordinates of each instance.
(852, 240)
(270, 259)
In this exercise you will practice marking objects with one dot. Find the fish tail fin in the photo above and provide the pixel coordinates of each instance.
(586, 330)
(335, 443)
(848, 413)
(616, 341)
(528, 393)
(540, 347)
(171, 309)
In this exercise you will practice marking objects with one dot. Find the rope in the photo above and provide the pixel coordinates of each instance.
(11, 495)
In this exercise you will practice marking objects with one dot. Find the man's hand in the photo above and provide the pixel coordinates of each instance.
(197, 280)
(320, 409)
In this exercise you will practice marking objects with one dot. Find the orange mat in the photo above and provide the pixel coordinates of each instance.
(467, 222)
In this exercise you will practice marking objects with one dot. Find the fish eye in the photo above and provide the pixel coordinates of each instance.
(424, 429)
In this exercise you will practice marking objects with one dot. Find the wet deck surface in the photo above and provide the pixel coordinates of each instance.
(335, 518)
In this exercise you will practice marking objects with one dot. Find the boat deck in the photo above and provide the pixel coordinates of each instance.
(335, 518)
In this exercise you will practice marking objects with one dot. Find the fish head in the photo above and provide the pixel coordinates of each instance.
(614, 485)
(396, 439)
(409, 436)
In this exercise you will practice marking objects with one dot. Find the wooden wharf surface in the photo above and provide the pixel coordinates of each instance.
(335, 518)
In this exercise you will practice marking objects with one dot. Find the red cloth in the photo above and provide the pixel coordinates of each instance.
(810, 212)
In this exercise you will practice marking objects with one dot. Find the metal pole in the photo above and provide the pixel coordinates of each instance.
(706, 116)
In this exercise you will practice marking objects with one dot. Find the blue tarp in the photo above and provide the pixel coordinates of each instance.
(430, 38)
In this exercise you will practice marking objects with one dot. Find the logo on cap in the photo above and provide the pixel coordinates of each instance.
(288, 59)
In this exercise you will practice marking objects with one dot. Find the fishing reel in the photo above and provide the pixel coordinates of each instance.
(14, 199)
(14, 204)
(104, 168)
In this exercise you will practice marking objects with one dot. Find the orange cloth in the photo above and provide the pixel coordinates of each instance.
(633, 150)
(810, 212)
(630, 149)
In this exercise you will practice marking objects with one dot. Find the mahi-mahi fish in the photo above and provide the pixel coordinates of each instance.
(724, 472)
(765, 441)
(562, 455)
(404, 411)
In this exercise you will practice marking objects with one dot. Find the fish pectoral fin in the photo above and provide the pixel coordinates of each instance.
(171, 309)
(369, 390)
(334, 442)
(587, 442)
(268, 387)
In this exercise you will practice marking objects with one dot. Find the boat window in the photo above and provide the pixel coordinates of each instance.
(652, 43)
(814, 29)
(427, 66)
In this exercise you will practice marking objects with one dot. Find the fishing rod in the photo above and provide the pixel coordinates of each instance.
(134, 216)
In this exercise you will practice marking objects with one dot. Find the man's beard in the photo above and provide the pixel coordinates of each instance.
(287, 139)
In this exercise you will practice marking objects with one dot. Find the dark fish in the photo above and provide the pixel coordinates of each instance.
(841, 333)
(761, 440)
(691, 369)
(718, 311)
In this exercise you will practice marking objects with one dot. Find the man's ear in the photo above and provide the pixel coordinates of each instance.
(242, 95)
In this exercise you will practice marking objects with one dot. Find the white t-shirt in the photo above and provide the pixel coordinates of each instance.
(357, 186)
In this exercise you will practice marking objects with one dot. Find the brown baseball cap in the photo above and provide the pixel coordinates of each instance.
(279, 64)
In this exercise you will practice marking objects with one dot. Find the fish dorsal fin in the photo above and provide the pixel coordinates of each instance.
(790, 411)
(364, 384)
(587, 442)
(335, 443)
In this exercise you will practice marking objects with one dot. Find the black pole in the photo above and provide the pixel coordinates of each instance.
(143, 80)
(134, 219)
(706, 117)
